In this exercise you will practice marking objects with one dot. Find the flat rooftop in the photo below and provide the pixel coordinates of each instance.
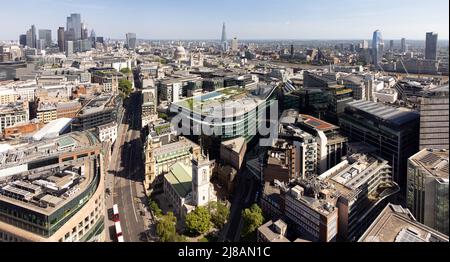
(318, 124)
(48, 189)
(398, 116)
(397, 224)
(435, 162)
(227, 102)
(29, 151)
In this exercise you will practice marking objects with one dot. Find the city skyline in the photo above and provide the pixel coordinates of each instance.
(176, 19)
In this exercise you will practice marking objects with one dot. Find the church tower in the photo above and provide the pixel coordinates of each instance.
(200, 181)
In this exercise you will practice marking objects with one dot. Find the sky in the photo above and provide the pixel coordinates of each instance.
(245, 19)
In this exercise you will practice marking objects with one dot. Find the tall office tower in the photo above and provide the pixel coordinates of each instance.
(84, 32)
(131, 41)
(74, 27)
(431, 46)
(234, 45)
(392, 132)
(404, 47)
(391, 45)
(31, 37)
(223, 40)
(365, 44)
(434, 119)
(427, 195)
(61, 41)
(292, 50)
(46, 35)
(93, 38)
(23, 40)
(377, 47)
(69, 48)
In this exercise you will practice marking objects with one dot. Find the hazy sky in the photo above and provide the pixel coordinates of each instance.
(245, 19)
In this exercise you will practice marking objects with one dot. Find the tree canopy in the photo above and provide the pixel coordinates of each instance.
(198, 221)
(166, 228)
(253, 218)
(219, 214)
(125, 70)
(126, 87)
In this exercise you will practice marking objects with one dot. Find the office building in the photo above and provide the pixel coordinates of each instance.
(434, 119)
(52, 191)
(404, 47)
(235, 112)
(131, 41)
(46, 112)
(397, 224)
(331, 145)
(73, 27)
(394, 132)
(23, 40)
(69, 47)
(377, 48)
(427, 188)
(32, 37)
(61, 40)
(312, 217)
(12, 114)
(234, 45)
(232, 152)
(364, 185)
(391, 45)
(101, 110)
(46, 35)
(223, 40)
(431, 46)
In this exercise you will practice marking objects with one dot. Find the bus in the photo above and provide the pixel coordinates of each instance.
(119, 234)
(116, 213)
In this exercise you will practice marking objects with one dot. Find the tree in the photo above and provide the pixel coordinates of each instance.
(126, 87)
(219, 213)
(166, 228)
(198, 221)
(253, 218)
(125, 71)
(155, 208)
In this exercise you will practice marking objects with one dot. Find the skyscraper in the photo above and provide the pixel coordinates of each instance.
(74, 27)
(234, 45)
(93, 38)
(391, 45)
(46, 35)
(431, 46)
(23, 40)
(131, 41)
(377, 47)
(84, 32)
(434, 119)
(31, 37)
(224, 33)
(61, 41)
(69, 48)
(404, 48)
(224, 38)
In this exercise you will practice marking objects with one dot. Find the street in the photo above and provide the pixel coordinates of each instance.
(126, 175)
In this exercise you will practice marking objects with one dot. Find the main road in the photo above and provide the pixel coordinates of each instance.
(125, 178)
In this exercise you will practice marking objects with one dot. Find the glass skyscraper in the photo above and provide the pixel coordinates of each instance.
(377, 47)
(74, 27)
(431, 46)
